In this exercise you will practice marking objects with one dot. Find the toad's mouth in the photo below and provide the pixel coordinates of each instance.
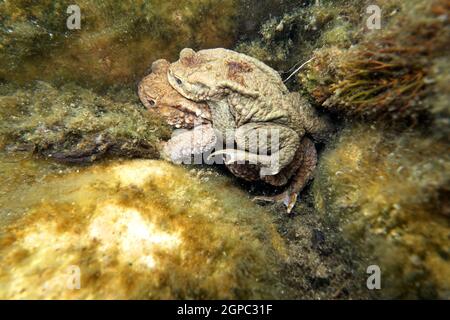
(180, 113)
(177, 110)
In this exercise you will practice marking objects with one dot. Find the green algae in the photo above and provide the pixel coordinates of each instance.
(220, 246)
(388, 192)
(17, 172)
(290, 39)
(116, 43)
(69, 121)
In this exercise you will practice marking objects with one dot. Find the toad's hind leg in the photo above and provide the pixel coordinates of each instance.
(269, 145)
(303, 175)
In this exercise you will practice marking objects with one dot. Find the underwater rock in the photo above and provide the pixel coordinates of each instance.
(287, 41)
(116, 42)
(140, 229)
(388, 193)
(73, 124)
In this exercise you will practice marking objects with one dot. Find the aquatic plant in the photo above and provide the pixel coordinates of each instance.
(388, 193)
(387, 74)
(76, 125)
(126, 230)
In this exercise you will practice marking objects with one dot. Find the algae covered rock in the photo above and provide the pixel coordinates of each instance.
(74, 124)
(141, 229)
(286, 41)
(146, 229)
(116, 42)
(388, 192)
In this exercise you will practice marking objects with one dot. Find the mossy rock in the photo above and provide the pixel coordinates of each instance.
(116, 43)
(74, 124)
(141, 229)
(388, 192)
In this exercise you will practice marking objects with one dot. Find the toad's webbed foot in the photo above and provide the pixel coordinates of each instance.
(268, 145)
(288, 198)
(306, 160)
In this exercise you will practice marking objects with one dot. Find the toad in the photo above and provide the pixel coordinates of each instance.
(155, 87)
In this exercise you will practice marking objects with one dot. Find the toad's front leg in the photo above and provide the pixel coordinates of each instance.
(190, 143)
(271, 146)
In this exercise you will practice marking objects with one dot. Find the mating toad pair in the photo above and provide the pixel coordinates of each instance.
(222, 91)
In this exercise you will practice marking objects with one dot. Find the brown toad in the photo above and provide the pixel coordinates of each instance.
(185, 144)
(248, 98)
(158, 96)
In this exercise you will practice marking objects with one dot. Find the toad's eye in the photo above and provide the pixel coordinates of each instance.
(152, 102)
(178, 80)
